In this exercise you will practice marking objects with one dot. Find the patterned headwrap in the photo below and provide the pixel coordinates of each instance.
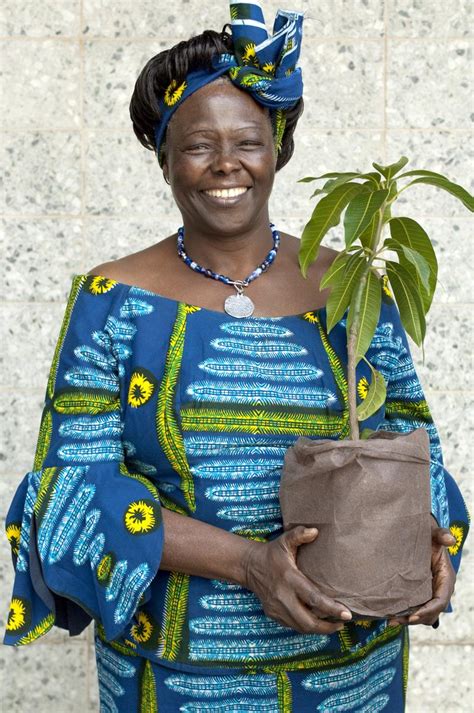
(263, 65)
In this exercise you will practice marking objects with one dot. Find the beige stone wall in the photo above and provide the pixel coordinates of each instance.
(382, 79)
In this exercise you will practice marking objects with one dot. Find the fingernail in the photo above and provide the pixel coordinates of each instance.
(346, 615)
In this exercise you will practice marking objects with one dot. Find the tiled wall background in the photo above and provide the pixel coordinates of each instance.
(382, 79)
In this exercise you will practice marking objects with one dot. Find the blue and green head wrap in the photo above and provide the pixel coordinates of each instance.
(261, 64)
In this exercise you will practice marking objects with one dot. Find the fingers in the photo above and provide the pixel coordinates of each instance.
(444, 578)
(442, 536)
(299, 535)
(298, 617)
(322, 605)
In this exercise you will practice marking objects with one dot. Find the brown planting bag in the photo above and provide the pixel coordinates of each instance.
(370, 500)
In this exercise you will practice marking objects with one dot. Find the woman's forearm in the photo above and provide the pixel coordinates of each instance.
(195, 547)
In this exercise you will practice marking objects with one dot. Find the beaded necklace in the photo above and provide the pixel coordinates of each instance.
(238, 305)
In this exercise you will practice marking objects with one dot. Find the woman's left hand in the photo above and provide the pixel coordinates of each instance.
(444, 578)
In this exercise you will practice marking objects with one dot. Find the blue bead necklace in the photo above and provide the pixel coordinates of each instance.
(238, 305)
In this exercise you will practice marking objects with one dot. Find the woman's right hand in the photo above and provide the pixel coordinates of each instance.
(287, 595)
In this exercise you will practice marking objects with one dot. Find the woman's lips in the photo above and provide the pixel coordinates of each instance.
(224, 202)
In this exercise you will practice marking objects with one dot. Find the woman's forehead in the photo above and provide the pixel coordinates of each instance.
(216, 104)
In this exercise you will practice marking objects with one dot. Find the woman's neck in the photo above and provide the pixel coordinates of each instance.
(233, 254)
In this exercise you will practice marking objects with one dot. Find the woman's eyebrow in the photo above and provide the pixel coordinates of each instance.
(211, 131)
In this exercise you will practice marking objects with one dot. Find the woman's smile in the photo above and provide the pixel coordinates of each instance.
(226, 198)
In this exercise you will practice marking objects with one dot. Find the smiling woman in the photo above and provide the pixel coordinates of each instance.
(152, 506)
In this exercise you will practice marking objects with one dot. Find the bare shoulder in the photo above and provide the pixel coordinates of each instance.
(139, 268)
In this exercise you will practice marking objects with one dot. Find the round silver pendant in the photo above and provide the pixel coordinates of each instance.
(239, 306)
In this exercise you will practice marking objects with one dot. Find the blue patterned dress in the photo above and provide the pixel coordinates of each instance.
(153, 403)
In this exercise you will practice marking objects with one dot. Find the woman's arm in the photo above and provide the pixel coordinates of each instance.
(197, 548)
(267, 568)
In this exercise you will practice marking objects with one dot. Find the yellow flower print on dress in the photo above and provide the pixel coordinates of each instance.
(13, 531)
(142, 517)
(19, 615)
(142, 631)
(173, 93)
(458, 529)
(99, 285)
(311, 317)
(385, 287)
(142, 387)
(363, 388)
(104, 568)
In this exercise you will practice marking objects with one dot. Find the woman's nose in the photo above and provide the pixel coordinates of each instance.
(225, 159)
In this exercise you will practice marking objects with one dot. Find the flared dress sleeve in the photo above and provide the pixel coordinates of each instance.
(86, 535)
(405, 410)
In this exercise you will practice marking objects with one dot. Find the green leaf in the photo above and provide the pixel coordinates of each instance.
(393, 168)
(367, 237)
(341, 292)
(326, 214)
(407, 231)
(369, 313)
(417, 261)
(335, 271)
(408, 301)
(375, 398)
(334, 183)
(360, 212)
(440, 181)
(366, 433)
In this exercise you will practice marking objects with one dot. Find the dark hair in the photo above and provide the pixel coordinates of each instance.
(175, 63)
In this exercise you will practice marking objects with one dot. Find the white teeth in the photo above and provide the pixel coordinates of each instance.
(227, 193)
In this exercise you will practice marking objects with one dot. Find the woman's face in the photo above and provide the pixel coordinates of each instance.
(221, 138)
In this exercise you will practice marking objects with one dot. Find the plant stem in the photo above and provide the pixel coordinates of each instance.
(354, 331)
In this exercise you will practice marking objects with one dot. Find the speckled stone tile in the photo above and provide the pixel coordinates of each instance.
(28, 333)
(453, 416)
(444, 152)
(448, 362)
(41, 173)
(20, 415)
(93, 701)
(429, 84)
(424, 18)
(108, 239)
(452, 241)
(110, 72)
(343, 85)
(130, 183)
(439, 679)
(45, 678)
(458, 625)
(315, 154)
(40, 257)
(33, 19)
(338, 17)
(42, 92)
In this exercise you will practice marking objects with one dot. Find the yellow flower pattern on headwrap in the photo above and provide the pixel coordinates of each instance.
(173, 92)
(249, 56)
